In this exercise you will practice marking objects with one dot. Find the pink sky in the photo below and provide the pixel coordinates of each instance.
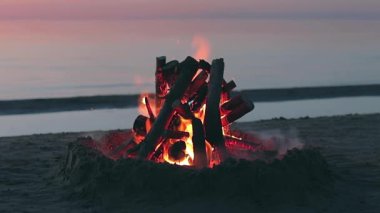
(121, 9)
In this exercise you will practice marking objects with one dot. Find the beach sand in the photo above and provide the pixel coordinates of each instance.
(338, 170)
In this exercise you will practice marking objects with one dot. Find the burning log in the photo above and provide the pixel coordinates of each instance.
(199, 144)
(204, 65)
(199, 99)
(231, 104)
(197, 83)
(152, 139)
(170, 72)
(177, 151)
(243, 108)
(198, 139)
(149, 109)
(213, 124)
(139, 126)
(160, 83)
(175, 134)
(228, 87)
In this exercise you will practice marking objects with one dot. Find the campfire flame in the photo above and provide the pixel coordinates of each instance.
(185, 126)
(187, 121)
(202, 47)
(175, 145)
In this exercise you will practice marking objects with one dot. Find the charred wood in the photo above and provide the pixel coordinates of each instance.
(160, 82)
(188, 69)
(242, 109)
(212, 122)
(199, 144)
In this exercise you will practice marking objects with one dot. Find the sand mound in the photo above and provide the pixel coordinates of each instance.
(300, 177)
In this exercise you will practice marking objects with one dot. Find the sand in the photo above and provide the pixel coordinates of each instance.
(338, 170)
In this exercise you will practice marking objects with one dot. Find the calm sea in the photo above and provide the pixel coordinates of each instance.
(74, 58)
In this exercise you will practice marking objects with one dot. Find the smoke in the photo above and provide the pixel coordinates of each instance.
(270, 144)
(280, 141)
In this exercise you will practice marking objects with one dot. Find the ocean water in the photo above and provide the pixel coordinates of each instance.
(110, 119)
(59, 58)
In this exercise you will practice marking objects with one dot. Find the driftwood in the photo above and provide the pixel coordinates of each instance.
(187, 69)
(212, 122)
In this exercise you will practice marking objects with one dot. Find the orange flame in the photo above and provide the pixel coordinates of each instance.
(186, 126)
(202, 47)
(142, 105)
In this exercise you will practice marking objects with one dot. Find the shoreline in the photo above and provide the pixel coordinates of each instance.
(42, 105)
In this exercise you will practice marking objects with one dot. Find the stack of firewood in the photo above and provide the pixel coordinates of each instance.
(194, 91)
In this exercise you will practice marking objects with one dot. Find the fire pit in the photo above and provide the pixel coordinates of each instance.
(185, 126)
(187, 121)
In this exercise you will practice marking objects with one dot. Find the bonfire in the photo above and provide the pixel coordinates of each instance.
(187, 121)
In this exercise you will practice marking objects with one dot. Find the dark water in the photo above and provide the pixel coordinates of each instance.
(336, 172)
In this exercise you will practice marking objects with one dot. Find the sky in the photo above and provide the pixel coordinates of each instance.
(181, 9)
(56, 48)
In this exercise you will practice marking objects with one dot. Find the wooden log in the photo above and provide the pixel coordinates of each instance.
(242, 109)
(177, 151)
(149, 109)
(187, 69)
(175, 134)
(228, 87)
(231, 104)
(182, 109)
(199, 144)
(157, 153)
(204, 65)
(207, 67)
(139, 126)
(170, 72)
(226, 95)
(196, 102)
(160, 82)
(196, 84)
(212, 122)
